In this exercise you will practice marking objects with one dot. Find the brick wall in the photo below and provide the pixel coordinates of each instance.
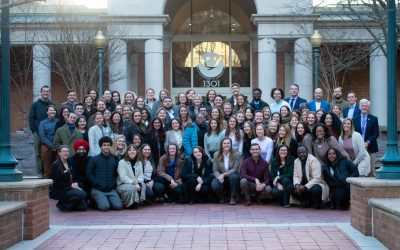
(166, 76)
(361, 216)
(10, 228)
(386, 228)
(36, 215)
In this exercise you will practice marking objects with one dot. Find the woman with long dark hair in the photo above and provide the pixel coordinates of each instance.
(333, 122)
(235, 134)
(323, 140)
(282, 175)
(155, 137)
(335, 171)
(212, 138)
(248, 135)
(197, 175)
(303, 136)
(65, 189)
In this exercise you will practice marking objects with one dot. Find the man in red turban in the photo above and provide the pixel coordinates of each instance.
(78, 164)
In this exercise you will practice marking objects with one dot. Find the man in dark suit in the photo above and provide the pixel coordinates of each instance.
(367, 125)
(318, 103)
(294, 100)
(352, 110)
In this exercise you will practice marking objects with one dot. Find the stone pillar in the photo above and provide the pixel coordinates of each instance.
(36, 195)
(378, 84)
(153, 50)
(41, 69)
(133, 73)
(303, 68)
(266, 67)
(118, 66)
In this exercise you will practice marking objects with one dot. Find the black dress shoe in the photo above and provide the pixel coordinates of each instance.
(305, 204)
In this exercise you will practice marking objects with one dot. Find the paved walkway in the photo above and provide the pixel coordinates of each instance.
(202, 226)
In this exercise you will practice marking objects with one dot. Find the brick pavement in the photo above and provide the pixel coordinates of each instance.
(202, 226)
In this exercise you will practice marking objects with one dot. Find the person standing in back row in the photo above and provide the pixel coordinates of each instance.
(368, 126)
(38, 113)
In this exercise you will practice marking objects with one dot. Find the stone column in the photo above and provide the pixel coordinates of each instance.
(118, 66)
(153, 50)
(41, 69)
(266, 67)
(378, 84)
(303, 67)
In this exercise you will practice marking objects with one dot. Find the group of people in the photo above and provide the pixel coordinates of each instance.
(113, 152)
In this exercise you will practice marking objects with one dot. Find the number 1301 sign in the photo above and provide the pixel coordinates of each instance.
(211, 83)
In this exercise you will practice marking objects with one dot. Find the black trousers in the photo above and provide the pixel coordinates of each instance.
(161, 187)
(313, 195)
(340, 196)
(283, 196)
(75, 200)
(231, 184)
(192, 194)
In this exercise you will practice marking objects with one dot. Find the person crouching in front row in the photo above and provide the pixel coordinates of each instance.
(255, 176)
(65, 188)
(197, 175)
(130, 179)
(102, 175)
(226, 164)
(169, 171)
(309, 186)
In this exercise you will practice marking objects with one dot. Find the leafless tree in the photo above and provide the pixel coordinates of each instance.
(21, 57)
(337, 58)
(74, 57)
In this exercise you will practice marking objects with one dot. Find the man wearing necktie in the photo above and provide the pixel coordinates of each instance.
(367, 125)
(352, 110)
(294, 100)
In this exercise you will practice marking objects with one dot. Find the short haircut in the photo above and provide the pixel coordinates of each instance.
(352, 92)
(255, 144)
(44, 87)
(257, 89)
(105, 139)
(235, 84)
(296, 85)
(51, 106)
(71, 90)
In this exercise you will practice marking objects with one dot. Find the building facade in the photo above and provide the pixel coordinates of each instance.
(182, 44)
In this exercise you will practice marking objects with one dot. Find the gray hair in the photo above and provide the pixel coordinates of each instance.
(365, 101)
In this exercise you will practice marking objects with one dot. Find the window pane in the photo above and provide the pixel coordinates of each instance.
(211, 64)
(181, 71)
(241, 63)
(210, 17)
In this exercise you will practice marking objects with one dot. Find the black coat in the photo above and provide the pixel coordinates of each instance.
(62, 181)
(342, 168)
(371, 131)
(190, 169)
(38, 113)
(78, 169)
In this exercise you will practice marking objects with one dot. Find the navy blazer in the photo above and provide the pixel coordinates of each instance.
(324, 105)
(356, 112)
(299, 100)
(371, 132)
